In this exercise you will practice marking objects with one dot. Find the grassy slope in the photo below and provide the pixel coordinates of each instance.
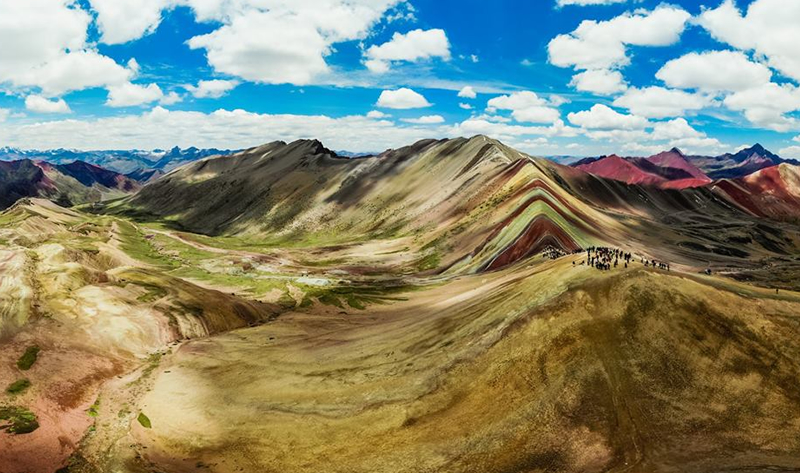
(544, 368)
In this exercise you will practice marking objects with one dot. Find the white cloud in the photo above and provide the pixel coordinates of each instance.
(465, 106)
(426, 120)
(658, 102)
(4, 113)
(526, 106)
(601, 117)
(378, 115)
(680, 134)
(796, 138)
(675, 129)
(133, 66)
(599, 81)
(161, 128)
(281, 41)
(261, 47)
(792, 152)
(767, 105)
(123, 21)
(582, 3)
(402, 98)
(213, 89)
(50, 49)
(39, 104)
(468, 92)
(171, 98)
(603, 45)
(770, 28)
(714, 71)
(130, 95)
(504, 131)
(413, 46)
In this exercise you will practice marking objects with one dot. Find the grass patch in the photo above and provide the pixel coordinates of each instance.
(356, 297)
(94, 409)
(17, 420)
(144, 421)
(154, 292)
(18, 387)
(28, 358)
(429, 261)
(133, 242)
(287, 301)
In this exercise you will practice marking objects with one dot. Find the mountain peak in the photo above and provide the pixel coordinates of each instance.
(756, 150)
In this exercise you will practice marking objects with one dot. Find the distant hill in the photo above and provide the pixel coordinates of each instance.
(674, 170)
(121, 161)
(669, 169)
(739, 164)
(770, 192)
(69, 184)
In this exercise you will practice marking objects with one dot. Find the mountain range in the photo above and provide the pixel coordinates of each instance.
(121, 161)
(673, 169)
(68, 184)
(265, 309)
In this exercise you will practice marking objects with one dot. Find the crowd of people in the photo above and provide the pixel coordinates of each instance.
(605, 258)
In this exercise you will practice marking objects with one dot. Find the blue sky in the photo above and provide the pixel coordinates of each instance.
(584, 77)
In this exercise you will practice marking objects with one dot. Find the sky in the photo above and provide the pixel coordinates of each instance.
(549, 77)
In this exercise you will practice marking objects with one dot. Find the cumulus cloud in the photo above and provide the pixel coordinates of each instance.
(526, 106)
(130, 95)
(507, 132)
(766, 105)
(601, 117)
(714, 71)
(468, 92)
(770, 28)
(599, 81)
(213, 89)
(266, 41)
(171, 98)
(4, 113)
(162, 128)
(679, 133)
(123, 21)
(792, 152)
(402, 99)
(426, 120)
(658, 102)
(377, 114)
(413, 46)
(603, 45)
(39, 104)
(50, 49)
(465, 106)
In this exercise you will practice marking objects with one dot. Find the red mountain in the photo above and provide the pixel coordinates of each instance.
(675, 159)
(667, 170)
(619, 169)
(771, 192)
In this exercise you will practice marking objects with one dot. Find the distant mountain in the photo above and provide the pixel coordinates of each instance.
(770, 192)
(739, 164)
(669, 169)
(145, 175)
(121, 161)
(673, 169)
(69, 184)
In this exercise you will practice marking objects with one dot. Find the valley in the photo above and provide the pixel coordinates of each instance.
(430, 309)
